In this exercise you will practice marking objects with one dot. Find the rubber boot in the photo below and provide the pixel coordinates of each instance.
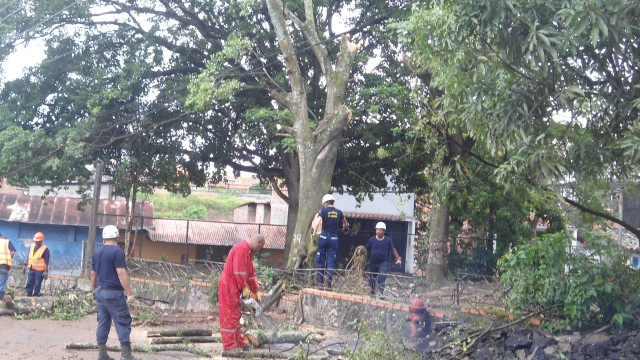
(102, 353)
(126, 352)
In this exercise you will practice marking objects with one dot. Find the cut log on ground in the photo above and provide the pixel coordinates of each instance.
(26, 305)
(259, 338)
(254, 354)
(180, 332)
(149, 348)
(185, 340)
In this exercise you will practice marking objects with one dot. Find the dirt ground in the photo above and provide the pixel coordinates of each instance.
(46, 339)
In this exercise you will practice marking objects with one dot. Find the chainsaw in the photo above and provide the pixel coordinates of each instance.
(260, 319)
(253, 305)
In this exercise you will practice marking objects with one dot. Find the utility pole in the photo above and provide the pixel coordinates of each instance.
(91, 243)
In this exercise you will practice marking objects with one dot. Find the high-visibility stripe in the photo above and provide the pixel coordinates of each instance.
(5, 253)
(240, 272)
(36, 262)
(228, 330)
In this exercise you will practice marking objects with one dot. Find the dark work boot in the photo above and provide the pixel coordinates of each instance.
(102, 353)
(126, 352)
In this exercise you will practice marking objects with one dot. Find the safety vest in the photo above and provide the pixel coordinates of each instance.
(36, 262)
(5, 253)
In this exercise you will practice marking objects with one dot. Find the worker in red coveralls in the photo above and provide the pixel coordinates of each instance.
(238, 276)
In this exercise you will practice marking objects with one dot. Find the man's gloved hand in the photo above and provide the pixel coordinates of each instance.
(45, 275)
(246, 292)
(398, 260)
(131, 298)
(256, 296)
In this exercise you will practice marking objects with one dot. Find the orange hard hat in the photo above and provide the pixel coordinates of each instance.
(38, 236)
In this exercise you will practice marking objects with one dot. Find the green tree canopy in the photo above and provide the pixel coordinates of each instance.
(549, 88)
(175, 92)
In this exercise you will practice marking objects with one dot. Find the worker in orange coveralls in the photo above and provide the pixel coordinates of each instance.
(238, 276)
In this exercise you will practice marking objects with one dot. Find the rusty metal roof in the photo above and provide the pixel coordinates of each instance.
(215, 233)
(370, 216)
(64, 211)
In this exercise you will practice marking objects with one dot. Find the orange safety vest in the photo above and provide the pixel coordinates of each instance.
(5, 253)
(36, 262)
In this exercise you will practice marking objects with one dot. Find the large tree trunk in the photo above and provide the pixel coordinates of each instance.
(131, 215)
(437, 262)
(316, 147)
(292, 177)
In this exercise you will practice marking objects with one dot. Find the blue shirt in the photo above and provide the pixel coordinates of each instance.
(104, 262)
(379, 250)
(331, 219)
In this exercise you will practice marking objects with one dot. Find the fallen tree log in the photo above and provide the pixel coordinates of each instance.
(148, 348)
(259, 338)
(180, 332)
(26, 305)
(255, 354)
(185, 340)
(274, 295)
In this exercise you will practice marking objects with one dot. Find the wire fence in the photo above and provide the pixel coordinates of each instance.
(398, 286)
(471, 290)
(174, 273)
(58, 265)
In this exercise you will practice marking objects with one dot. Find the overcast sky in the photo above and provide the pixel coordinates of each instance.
(15, 64)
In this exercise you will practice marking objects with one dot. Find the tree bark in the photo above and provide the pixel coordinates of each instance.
(437, 261)
(185, 340)
(180, 332)
(316, 148)
(26, 305)
(260, 338)
(149, 348)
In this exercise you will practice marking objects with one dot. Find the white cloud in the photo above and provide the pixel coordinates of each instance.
(24, 57)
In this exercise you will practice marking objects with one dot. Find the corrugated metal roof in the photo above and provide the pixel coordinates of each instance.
(216, 233)
(359, 215)
(64, 211)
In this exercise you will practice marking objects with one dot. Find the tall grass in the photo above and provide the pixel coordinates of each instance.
(195, 206)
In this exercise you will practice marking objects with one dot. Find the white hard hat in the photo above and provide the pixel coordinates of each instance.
(327, 197)
(110, 232)
(381, 225)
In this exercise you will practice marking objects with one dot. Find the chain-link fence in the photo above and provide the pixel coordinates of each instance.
(58, 265)
(174, 273)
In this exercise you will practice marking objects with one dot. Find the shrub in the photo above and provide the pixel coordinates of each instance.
(213, 288)
(70, 306)
(578, 289)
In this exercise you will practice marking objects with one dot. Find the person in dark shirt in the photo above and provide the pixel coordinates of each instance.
(380, 249)
(326, 258)
(7, 250)
(38, 265)
(112, 292)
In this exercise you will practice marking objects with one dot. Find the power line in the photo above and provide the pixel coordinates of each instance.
(22, 34)
(9, 4)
